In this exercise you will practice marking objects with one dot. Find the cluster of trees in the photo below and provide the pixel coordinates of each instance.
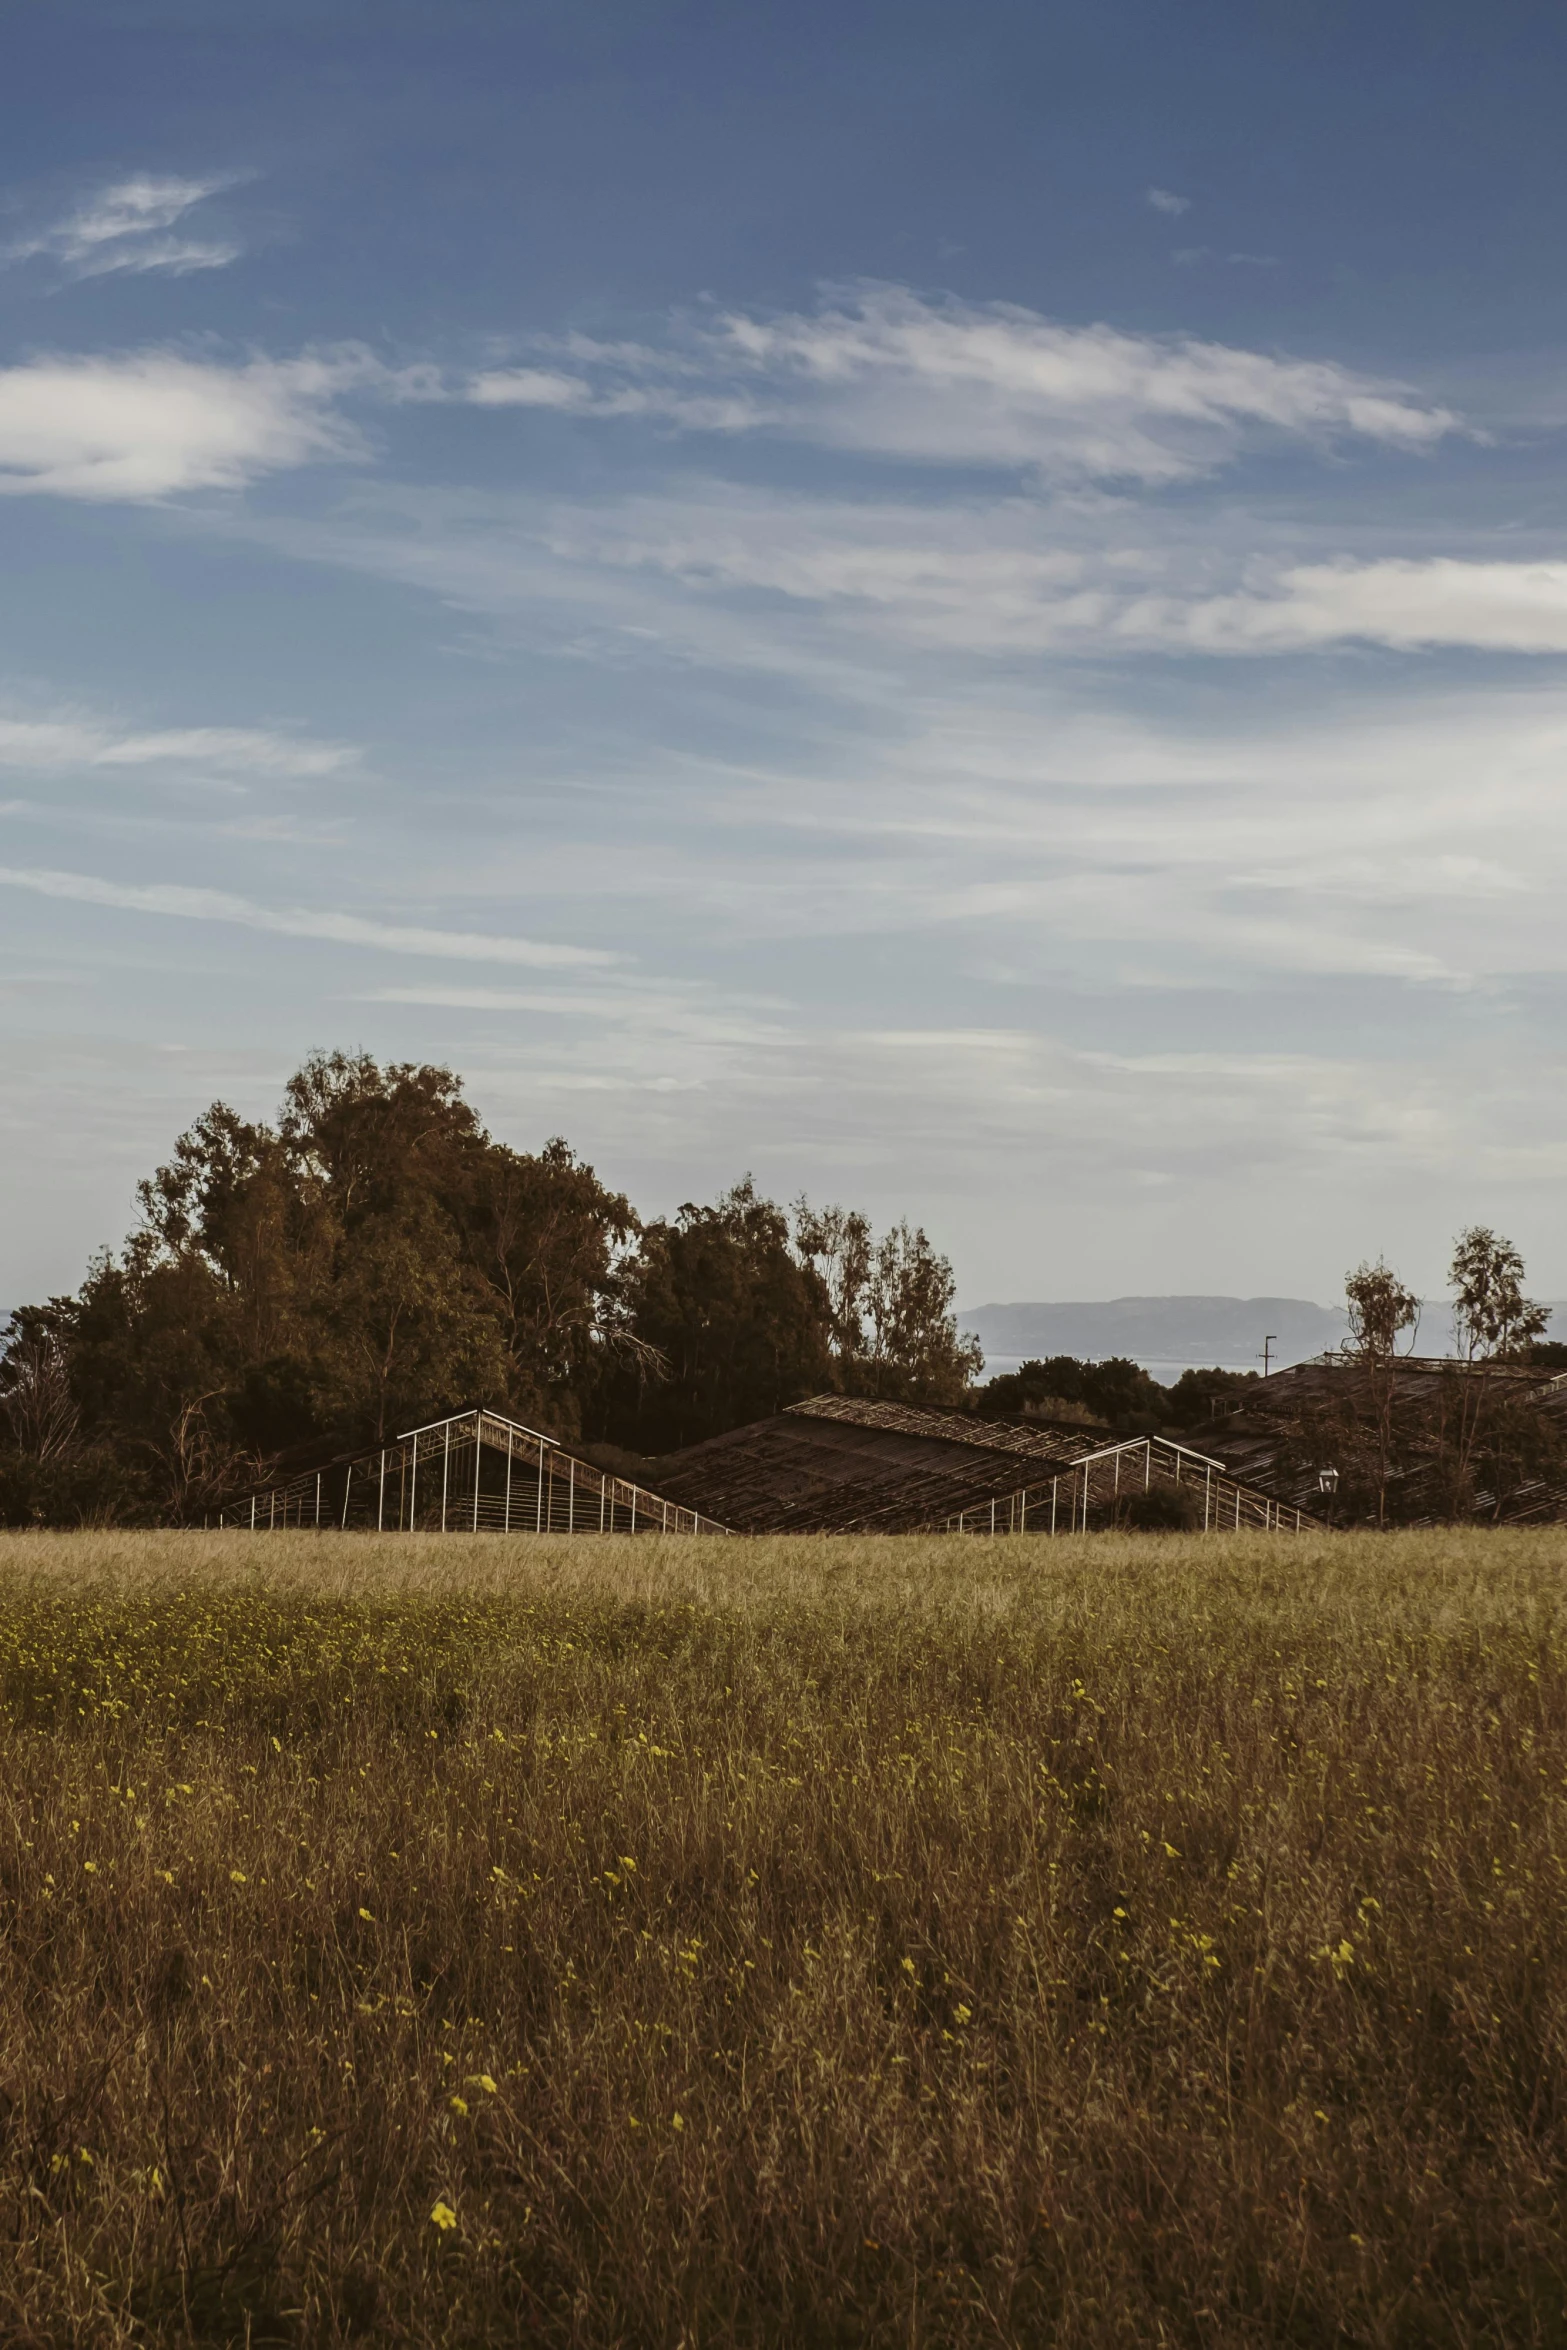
(1116, 1394)
(1405, 1449)
(374, 1258)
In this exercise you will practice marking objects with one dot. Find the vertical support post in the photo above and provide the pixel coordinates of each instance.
(992, 1513)
(318, 1497)
(1237, 1505)
(1147, 1463)
(252, 1513)
(446, 1471)
(1055, 1488)
(510, 1442)
(380, 1499)
(540, 1526)
(478, 1454)
(1207, 1500)
(413, 1488)
(571, 1495)
(603, 1493)
(348, 1487)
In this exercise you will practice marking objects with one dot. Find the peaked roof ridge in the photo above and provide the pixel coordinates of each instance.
(1034, 1439)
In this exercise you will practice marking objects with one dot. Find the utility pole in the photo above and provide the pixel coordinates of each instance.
(1268, 1344)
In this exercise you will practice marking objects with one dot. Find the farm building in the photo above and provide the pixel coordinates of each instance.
(838, 1465)
(1281, 1433)
(834, 1465)
(474, 1472)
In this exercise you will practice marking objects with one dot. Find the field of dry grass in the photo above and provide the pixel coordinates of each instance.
(1120, 1941)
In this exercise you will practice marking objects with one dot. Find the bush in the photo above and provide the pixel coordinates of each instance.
(1163, 1509)
(82, 1488)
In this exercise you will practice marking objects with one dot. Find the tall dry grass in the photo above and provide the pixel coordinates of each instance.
(1121, 1941)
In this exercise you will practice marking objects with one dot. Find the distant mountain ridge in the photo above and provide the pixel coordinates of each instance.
(1175, 1332)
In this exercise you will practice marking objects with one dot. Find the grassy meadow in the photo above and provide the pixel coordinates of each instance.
(1125, 1940)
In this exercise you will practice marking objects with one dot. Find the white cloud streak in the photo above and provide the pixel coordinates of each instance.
(881, 372)
(1164, 201)
(822, 587)
(213, 905)
(50, 745)
(127, 228)
(885, 372)
(1491, 607)
(152, 424)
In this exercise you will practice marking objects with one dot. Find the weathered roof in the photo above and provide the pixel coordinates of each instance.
(1272, 1434)
(839, 1464)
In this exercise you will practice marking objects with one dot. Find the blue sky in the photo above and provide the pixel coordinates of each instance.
(964, 608)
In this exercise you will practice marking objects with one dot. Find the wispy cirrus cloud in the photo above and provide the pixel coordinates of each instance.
(746, 576)
(880, 372)
(884, 372)
(1164, 200)
(173, 899)
(133, 226)
(51, 745)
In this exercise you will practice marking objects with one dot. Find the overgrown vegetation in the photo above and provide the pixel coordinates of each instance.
(914, 1942)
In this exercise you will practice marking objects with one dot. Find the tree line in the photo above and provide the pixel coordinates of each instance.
(373, 1258)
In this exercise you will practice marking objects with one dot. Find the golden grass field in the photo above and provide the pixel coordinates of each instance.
(1125, 1940)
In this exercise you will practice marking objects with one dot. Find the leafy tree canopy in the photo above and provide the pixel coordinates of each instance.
(373, 1258)
(1117, 1392)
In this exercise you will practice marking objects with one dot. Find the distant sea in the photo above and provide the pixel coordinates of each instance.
(1169, 1335)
